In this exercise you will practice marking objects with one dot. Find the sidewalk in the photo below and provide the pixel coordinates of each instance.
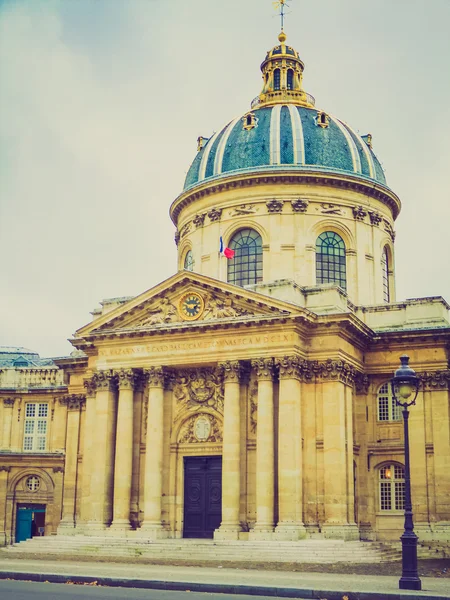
(216, 580)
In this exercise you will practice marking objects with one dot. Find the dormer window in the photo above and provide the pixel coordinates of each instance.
(322, 119)
(290, 79)
(250, 121)
(276, 79)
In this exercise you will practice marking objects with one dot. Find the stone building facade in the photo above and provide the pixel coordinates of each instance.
(248, 398)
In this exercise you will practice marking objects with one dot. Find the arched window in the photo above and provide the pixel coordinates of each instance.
(385, 267)
(330, 259)
(189, 261)
(290, 79)
(388, 410)
(246, 267)
(392, 487)
(276, 79)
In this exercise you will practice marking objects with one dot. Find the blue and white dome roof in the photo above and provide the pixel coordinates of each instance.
(284, 131)
(285, 136)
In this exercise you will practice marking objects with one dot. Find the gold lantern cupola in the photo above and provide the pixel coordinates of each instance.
(282, 72)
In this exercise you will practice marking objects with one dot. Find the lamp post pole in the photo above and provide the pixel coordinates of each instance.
(404, 385)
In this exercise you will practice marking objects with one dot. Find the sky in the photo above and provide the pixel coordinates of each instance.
(101, 104)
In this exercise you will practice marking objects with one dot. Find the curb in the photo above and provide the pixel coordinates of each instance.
(218, 588)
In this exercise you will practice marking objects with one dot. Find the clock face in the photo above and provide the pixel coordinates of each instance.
(191, 306)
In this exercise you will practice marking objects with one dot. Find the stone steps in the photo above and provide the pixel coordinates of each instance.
(313, 551)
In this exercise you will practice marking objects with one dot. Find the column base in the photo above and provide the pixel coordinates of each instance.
(94, 526)
(340, 531)
(289, 532)
(261, 532)
(228, 532)
(152, 531)
(120, 525)
(66, 528)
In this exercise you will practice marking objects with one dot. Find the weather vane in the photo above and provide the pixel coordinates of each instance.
(280, 5)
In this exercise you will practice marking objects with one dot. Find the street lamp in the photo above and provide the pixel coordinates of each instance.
(405, 385)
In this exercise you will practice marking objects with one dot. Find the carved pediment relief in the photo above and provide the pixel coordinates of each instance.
(188, 307)
(188, 297)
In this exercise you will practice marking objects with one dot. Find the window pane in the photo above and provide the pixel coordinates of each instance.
(41, 443)
(330, 259)
(385, 496)
(28, 443)
(399, 495)
(30, 410)
(29, 426)
(246, 266)
(42, 427)
(43, 410)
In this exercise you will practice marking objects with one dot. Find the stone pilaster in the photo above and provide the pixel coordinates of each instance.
(4, 471)
(8, 406)
(123, 464)
(87, 449)
(338, 378)
(102, 452)
(231, 452)
(265, 458)
(152, 525)
(290, 476)
(74, 403)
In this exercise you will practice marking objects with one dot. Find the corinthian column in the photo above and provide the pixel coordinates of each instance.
(123, 465)
(102, 456)
(231, 453)
(88, 445)
(154, 454)
(265, 460)
(74, 404)
(290, 489)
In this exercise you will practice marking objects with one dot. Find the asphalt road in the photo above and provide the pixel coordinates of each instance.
(27, 590)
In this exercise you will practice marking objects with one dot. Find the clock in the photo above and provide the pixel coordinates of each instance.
(191, 306)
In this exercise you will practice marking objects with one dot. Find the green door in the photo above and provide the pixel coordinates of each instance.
(23, 527)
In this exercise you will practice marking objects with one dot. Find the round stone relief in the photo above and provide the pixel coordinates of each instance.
(202, 428)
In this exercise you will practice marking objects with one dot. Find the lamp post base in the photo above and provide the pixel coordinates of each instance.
(409, 583)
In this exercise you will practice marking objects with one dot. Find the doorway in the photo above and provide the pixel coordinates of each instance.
(202, 496)
(30, 521)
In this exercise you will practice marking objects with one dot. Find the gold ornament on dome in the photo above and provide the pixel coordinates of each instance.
(191, 306)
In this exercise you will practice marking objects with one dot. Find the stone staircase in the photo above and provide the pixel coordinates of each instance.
(190, 551)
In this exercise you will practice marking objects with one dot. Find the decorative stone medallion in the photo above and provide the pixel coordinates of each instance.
(191, 306)
(202, 428)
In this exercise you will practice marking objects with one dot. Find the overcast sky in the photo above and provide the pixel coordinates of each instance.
(101, 103)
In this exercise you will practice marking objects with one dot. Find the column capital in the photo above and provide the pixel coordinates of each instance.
(334, 370)
(90, 386)
(155, 376)
(127, 379)
(9, 402)
(5, 468)
(104, 380)
(232, 370)
(362, 384)
(435, 380)
(290, 367)
(264, 368)
(73, 401)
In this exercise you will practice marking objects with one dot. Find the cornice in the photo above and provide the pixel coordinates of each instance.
(306, 175)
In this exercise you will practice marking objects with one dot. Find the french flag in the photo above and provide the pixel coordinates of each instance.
(227, 252)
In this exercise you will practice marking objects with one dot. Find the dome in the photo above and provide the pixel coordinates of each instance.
(283, 130)
(285, 136)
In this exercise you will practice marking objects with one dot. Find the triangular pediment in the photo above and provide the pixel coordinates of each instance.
(188, 298)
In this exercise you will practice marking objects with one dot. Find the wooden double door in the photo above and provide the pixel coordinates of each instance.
(202, 496)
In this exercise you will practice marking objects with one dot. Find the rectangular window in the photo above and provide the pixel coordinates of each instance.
(385, 495)
(35, 427)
